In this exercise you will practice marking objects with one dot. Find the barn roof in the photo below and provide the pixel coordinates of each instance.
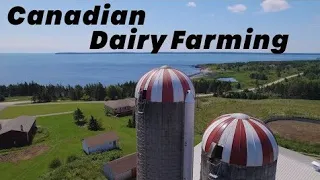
(101, 139)
(165, 84)
(114, 104)
(123, 164)
(15, 124)
(246, 141)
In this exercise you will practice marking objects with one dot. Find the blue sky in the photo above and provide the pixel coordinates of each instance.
(298, 18)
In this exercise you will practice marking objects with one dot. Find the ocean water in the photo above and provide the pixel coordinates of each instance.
(113, 68)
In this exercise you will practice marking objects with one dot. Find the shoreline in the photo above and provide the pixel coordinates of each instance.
(203, 71)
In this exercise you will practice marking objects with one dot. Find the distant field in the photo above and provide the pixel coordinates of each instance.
(18, 98)
(242, 75)
(65, 137)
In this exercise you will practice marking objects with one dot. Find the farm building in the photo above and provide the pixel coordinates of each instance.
(121, 107)
(100, 143)
(122, 168)
(17, 132)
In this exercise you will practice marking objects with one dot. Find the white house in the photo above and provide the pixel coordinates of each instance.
(100, 143)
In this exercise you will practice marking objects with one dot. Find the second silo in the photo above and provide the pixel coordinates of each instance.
(164, 125)
(237, 147)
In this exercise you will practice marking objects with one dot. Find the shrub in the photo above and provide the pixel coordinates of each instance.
(71, 158)
(86, 98)
(55, 163)
(85, 167)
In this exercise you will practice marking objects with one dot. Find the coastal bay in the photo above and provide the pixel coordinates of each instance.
(113, 68)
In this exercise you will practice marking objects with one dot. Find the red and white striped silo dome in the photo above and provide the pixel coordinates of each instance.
(165, 84)
(246, 141)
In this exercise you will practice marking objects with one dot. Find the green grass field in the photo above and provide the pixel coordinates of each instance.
(210, 108)
(65, 137)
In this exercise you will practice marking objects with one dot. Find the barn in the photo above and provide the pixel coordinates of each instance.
(122, 168)
(121, 107)
(100, 143)
(17, 132)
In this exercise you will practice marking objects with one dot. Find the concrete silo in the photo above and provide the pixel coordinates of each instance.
(238, 147)
(165, 121)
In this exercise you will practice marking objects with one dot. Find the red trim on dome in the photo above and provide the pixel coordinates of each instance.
(239, 146)
(266, 145)
(149, 89)
(145, 80)
(217, 119)
(167, 88)
(184, 82)
(216, 133)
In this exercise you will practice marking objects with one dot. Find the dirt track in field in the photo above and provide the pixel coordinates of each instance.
(23, 154)
(295, 130)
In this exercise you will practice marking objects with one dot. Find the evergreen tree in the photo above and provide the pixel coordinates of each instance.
(94, 124)
(78, 116)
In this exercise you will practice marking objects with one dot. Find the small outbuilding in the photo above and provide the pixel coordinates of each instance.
(122, 169)
(17, 132)
(100, 143)
(121, 107)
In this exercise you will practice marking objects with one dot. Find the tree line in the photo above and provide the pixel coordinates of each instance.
(205, 86)
(48, 93)
(93, 92)
(302, 87)
(296, 89)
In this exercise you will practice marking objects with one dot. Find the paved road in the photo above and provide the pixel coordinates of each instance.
(54, 114)
(277, 81)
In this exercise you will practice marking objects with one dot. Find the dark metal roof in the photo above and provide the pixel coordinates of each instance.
(20, 124)
(114, 104)
(101, 139)
(123, 164)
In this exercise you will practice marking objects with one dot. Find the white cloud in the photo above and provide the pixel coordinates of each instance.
(238, 8)
(274, 5)
(192, 4)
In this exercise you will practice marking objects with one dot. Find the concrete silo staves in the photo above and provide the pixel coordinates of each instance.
(237, 146)
(165, 121)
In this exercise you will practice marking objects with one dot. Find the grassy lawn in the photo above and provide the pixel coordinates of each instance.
(40, 109)
(65, 137)
(18, 98)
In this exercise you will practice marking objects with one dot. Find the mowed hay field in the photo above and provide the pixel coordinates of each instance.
(65, 137)
(295, 130)
(211, 108)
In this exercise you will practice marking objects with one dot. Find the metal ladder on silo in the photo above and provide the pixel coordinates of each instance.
(141, 102)
(215, 175)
